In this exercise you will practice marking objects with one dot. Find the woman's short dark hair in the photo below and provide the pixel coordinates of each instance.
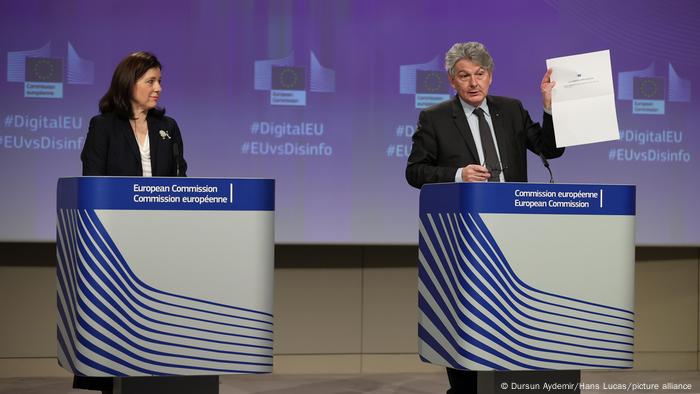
(128, 71)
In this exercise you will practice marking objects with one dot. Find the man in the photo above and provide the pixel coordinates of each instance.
(450, 144)
(475, 137)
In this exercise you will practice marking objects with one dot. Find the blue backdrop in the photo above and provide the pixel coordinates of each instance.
(323, 96)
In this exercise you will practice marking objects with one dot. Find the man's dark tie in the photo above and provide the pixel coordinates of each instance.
(489, 148)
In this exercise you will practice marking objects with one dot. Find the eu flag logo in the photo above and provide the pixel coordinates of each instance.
(649, 88)
(431, 82)
(43, 69)
(288, 78)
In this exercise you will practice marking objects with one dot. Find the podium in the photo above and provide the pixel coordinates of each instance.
(165, 276)
(525, 277)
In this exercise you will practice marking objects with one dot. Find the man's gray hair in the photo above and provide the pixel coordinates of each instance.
(473, 51)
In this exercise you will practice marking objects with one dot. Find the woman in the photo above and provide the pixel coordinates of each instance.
(132, 136)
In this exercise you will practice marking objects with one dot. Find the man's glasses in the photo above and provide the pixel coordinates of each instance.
(495, 171)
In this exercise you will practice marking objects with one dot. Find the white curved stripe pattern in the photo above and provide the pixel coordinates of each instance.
(110, 323)
(537, 312)
(475, 313)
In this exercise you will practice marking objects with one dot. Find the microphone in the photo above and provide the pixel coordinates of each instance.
(176, 156)
(545, 163)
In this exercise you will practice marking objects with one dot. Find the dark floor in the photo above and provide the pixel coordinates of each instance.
(596, 382)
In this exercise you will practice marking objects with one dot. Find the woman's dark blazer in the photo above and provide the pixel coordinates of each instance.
(111, 149)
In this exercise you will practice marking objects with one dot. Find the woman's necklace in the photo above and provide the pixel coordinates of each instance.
(140, 129)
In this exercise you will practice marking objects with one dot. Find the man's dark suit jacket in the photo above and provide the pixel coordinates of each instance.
(111, 149)
(443, 141)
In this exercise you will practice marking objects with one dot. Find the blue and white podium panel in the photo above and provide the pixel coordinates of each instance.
(516, 276)
(165, 276)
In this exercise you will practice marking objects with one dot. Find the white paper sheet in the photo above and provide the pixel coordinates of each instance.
(583, 99)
